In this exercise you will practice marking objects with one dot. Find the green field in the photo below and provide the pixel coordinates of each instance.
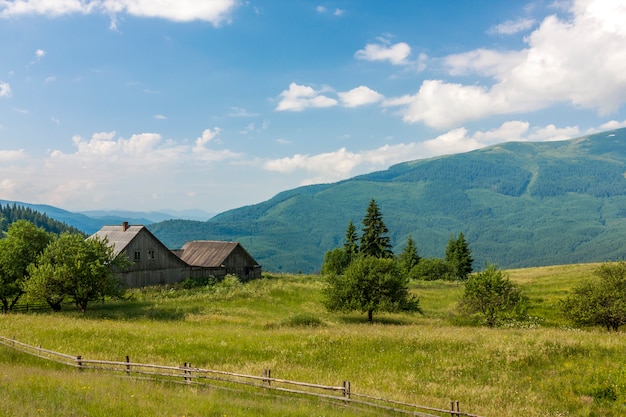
(539, 368)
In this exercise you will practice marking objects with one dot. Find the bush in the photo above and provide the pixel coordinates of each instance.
(491, 295)
(600, 300)
(430, 269)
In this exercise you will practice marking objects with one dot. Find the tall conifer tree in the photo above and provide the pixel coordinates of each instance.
(459, 257)
(374, 240)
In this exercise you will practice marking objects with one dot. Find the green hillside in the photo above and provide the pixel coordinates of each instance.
(10, 213)
(519, 204)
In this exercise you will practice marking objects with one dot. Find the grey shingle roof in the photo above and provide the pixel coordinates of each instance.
(117, 236)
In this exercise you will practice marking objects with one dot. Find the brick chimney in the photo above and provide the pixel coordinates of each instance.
(124, 226)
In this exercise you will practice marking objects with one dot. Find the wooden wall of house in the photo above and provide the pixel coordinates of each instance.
(241, 264)
(152, 263)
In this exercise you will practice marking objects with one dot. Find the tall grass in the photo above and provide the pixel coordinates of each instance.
(279, 323)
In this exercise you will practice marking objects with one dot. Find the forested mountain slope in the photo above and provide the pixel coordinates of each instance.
(518, 204)
(10, 213)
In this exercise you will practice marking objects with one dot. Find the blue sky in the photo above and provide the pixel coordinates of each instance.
(188, 104)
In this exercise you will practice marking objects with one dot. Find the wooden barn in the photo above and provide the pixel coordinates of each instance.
(209, 257)
(154, 264)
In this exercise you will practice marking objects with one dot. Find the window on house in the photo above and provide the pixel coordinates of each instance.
(137, 256)
(151, 255)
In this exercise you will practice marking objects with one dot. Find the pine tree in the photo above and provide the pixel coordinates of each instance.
(409, 257)
(351, 246)
(374, 241)
(459, 257)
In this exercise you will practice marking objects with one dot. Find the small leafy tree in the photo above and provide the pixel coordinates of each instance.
(599, 300)
(374, 241)
(23, 243)
(335, 261)
(459, 258)
(370, 285)
(78, 268)
(492, 295)
(430, 269)
(409, 258)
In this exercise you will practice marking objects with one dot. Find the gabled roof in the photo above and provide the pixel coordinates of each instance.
(119, 236)
(209, 253)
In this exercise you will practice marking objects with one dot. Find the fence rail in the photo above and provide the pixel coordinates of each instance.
(188, 374)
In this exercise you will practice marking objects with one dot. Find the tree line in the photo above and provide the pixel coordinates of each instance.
(364, 275)
(374, 242)
(54, 268)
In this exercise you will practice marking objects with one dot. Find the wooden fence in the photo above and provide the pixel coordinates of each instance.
(187, 374)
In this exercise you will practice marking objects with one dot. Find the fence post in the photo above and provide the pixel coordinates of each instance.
(454, 405)
(189, 378)
(39, 351)
(185, 372)
(267, 375)
(78, 360)
(127, 365)
(346, 389)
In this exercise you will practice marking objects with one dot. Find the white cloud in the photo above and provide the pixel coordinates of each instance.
(552, 133)
(160, 117)
(12, 156)
(338, 12)
(39, 53)
(580, 61)
(342, 164)
(45, 7)
(5, 89)
(485, 62)
(321, 9)
(511, 27)
(300, 97)
(215, 11)
(612, 125)
(106, 170)
(360, 96)
(202, 152)
(397, 54)
(442, 105)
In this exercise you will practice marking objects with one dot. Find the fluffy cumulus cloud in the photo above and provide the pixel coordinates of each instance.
(613, 124)
(580, 60)
(214, 11)
(360, 96)
(300, 97)
(397, 54)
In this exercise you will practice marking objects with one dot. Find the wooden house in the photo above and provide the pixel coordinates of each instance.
(152, 263)
(209, 257)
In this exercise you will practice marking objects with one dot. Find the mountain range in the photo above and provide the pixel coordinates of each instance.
(518, 204)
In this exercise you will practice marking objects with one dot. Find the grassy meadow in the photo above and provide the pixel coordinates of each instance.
(540, 368)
